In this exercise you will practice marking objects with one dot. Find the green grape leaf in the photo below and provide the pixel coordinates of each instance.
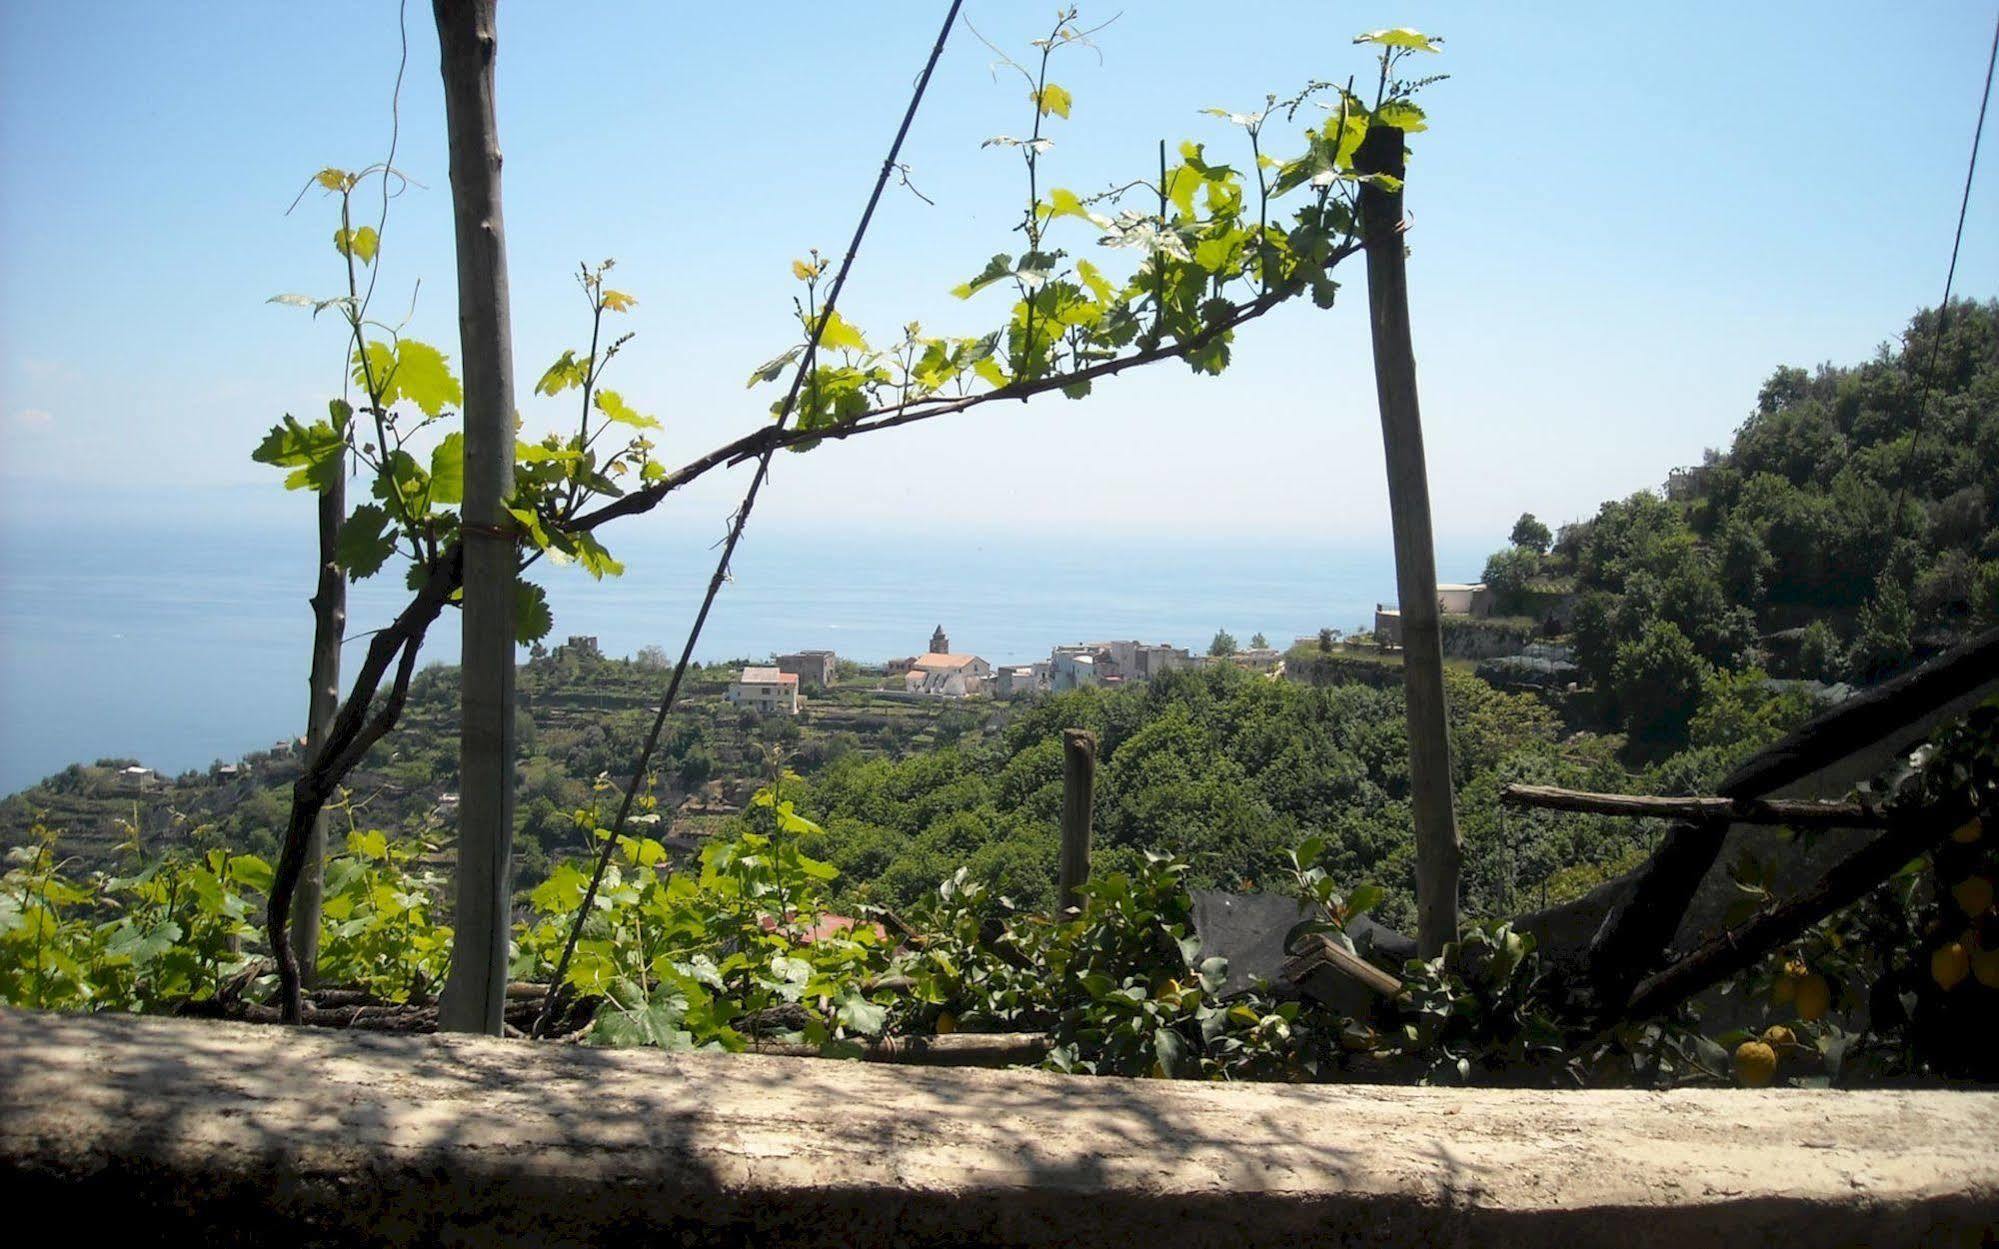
(365, 541)
(423, 377)
(360, 243)
(561, 375)
(857, 1014)
(595, 560)
(1402, 37)
(614, 408)
(1094, 279)
(773, 368)
(447, 471)
(1401, 114)
(315, 453)
(532, 618)
(839, 335)
(1052, 99)
(997, 269)
(252, 872)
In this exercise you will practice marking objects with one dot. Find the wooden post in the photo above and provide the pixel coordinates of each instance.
(475, 992)
(329, 626)
(1438, 850)
(1079, 795)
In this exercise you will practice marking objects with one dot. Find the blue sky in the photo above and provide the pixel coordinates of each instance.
(1624, 217)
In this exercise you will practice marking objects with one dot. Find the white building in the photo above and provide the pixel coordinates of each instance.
(765, 690)
(947, 676)
(1112, 663)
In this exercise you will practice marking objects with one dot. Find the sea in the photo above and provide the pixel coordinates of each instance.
(181, 639)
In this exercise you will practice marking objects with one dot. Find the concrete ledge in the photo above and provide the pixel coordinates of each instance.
(166, 1131)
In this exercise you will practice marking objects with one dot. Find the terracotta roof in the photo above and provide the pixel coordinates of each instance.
(946, 662)
(767, 676)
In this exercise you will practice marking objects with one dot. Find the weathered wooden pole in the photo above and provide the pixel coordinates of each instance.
(1079, 795)
(475, 992)
(329, 626)
(1438, 850)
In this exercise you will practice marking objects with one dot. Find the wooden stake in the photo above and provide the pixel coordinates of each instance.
(475, 992)
(1438, 850)
(1079, 795)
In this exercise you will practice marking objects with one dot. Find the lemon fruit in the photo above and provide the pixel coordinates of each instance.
(1973, 894)
(1968, 832)
(1985, 968)
(1950, 965)
(1814, 997)
(1780, 1038)
(1755, 1064)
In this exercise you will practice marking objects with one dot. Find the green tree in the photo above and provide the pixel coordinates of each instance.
(1507, 572)
(1658, 678)
(1530, 534)
(1222, 645)
(1259, 642)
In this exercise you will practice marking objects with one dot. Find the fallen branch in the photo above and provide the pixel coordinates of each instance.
(1804, 814)
(959, 1049)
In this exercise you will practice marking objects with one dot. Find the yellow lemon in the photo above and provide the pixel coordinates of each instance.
(1973, 894)
(1784, 990)
(1969, 831)
(1755, 1064)
(1985, 968)
(1814, 997)
(1949, 965)
(1780, 1038)
(947, 1023)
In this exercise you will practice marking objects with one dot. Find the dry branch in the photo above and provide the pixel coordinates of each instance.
(962, 1049)
(1698, 810)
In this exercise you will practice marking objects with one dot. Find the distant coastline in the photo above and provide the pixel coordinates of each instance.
(184, 647)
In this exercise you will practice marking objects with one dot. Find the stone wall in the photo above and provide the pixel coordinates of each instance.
(151, 1131)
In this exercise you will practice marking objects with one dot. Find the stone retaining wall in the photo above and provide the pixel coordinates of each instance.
(163, 1131)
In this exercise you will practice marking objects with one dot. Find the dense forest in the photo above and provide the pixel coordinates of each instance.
(1846, 533)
